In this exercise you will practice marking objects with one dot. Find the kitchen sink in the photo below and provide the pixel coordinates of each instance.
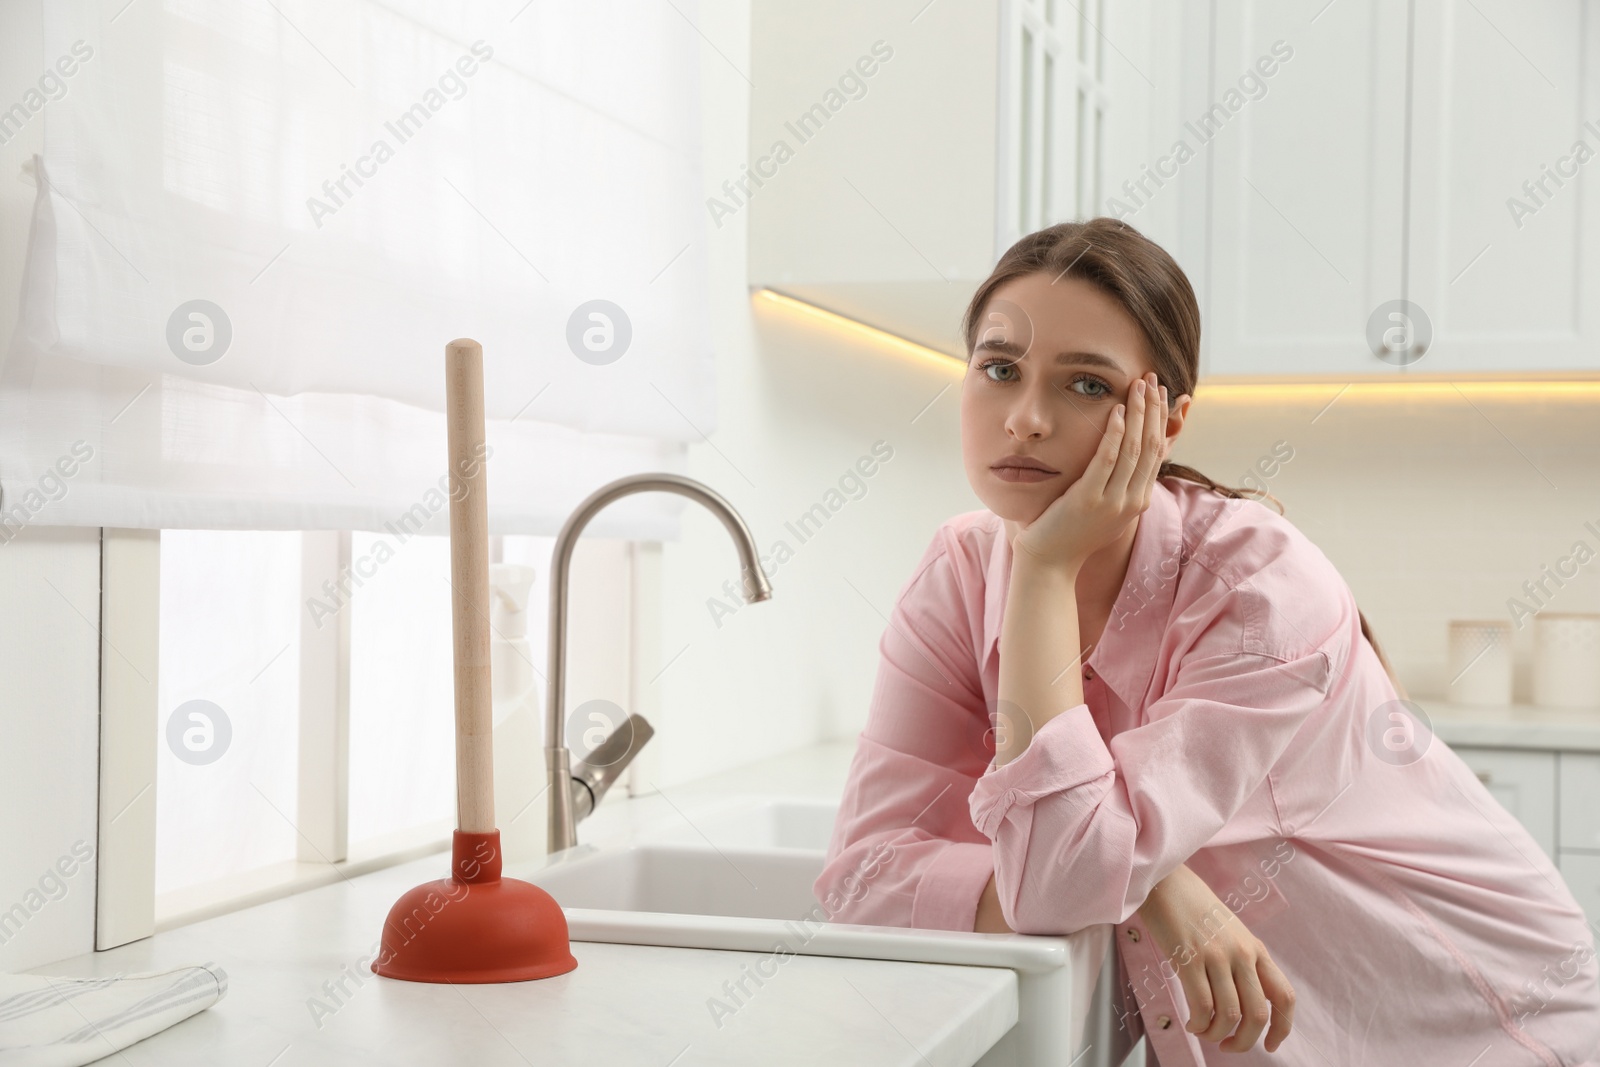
(688, 880)
(756, 822)
(736, 873)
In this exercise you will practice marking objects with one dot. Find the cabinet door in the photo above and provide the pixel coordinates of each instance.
(1580, 800)
(1076, 109)
(1307, 185)
(1051, 117)
(1581, 872)
(1502, 206)
(1525, 785)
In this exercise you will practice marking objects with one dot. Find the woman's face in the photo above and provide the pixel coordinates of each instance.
(1051, 361)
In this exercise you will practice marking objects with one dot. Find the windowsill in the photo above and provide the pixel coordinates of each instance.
(248, 888)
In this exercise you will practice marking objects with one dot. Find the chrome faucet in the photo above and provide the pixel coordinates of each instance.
(575, 791)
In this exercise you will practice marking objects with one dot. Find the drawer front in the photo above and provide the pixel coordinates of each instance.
(1580, 800)
(1525, 785)
(1581, 871)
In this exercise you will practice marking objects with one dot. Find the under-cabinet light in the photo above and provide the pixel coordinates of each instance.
(1264, 390)
(870, 334)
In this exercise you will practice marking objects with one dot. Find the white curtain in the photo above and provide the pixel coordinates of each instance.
(258, 223)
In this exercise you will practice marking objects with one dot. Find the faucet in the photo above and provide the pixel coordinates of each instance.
(575, 791)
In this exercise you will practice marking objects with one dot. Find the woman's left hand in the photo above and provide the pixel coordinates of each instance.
(1228, 976)
(1113, 490)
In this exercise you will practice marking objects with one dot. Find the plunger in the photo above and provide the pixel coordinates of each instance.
(473, 926)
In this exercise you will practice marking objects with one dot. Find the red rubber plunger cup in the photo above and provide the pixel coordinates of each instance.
(473, 926)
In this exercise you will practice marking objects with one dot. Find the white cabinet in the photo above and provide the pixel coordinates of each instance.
(1059, 91)
(1579, 858)
(898, 148)
(1387, 161)
(1580, 801)
(1525, 785)
(1306, 199)
(1503, 227)
(1556, 796)
(1581, 872)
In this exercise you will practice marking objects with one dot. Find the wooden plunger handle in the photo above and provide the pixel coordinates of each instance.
(469, 578)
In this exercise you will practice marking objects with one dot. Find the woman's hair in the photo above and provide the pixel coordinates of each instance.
(1152, 288)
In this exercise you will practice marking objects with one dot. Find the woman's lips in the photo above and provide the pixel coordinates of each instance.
(1022, 474)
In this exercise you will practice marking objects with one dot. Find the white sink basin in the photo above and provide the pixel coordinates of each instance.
(737, 874)
(756, 822)
(686, 880)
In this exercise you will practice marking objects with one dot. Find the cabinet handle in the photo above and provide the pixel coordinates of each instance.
(1399, 332)
(1484, 776)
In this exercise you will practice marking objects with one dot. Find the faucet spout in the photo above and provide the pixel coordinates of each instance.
(558, 757)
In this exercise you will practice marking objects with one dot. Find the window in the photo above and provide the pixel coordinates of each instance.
(227, 705)
(305, 703)
(224, 413)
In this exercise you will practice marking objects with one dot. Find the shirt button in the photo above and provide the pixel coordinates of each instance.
(1088, 672)
(1133, 933)
(1164, 1022)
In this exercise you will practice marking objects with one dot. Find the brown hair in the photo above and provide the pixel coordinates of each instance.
(1150, 285)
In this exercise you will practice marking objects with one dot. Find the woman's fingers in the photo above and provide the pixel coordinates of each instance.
(1102, 464)
(1132, 442)
(1226, 997)
(1253, 1003)
(1155, 429)
(1281, 994)
(1197, 990)
(1140, 457)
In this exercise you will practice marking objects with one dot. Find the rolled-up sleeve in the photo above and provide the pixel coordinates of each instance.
(904, 851)
(1083, 830)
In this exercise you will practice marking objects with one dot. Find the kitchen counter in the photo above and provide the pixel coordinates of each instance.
(300, 994)
(1514, 726)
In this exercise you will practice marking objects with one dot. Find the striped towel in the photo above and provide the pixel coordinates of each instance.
(61, 1022)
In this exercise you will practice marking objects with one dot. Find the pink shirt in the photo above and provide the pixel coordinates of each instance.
(1235, 720)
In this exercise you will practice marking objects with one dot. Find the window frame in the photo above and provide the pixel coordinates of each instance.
(622, 579)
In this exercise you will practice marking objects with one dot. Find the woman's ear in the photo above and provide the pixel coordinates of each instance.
(1175, 417)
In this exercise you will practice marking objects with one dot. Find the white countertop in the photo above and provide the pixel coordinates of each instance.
(1514, 726)
(622, 1005)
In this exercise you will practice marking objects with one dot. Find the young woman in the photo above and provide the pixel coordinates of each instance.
(1123, 694)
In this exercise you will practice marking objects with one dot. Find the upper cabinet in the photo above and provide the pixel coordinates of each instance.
(1361, 188)
(898, 147)
(1407, 194)
(1307, 183)
(1055, 97)
(1503, 225)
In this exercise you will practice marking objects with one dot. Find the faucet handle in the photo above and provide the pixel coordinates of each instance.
(594, 775)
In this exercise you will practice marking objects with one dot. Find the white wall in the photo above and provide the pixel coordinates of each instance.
(797, 406)
(49, 744)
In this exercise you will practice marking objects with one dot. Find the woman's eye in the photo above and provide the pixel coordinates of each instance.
(1001, 365)
(1102, 388)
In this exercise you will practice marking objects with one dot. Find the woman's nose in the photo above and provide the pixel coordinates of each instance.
(1029, 417)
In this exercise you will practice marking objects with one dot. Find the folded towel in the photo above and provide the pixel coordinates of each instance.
(61, 1022)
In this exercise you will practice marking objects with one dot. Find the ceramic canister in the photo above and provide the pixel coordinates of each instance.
(1566, 660)
(1480, 661)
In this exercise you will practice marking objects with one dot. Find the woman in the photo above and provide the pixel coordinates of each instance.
(1124, 694)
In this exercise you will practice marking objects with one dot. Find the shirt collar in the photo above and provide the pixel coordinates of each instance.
(1125, 656)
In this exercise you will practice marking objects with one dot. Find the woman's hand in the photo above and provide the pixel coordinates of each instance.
(1228, 977)
(1113, 490)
